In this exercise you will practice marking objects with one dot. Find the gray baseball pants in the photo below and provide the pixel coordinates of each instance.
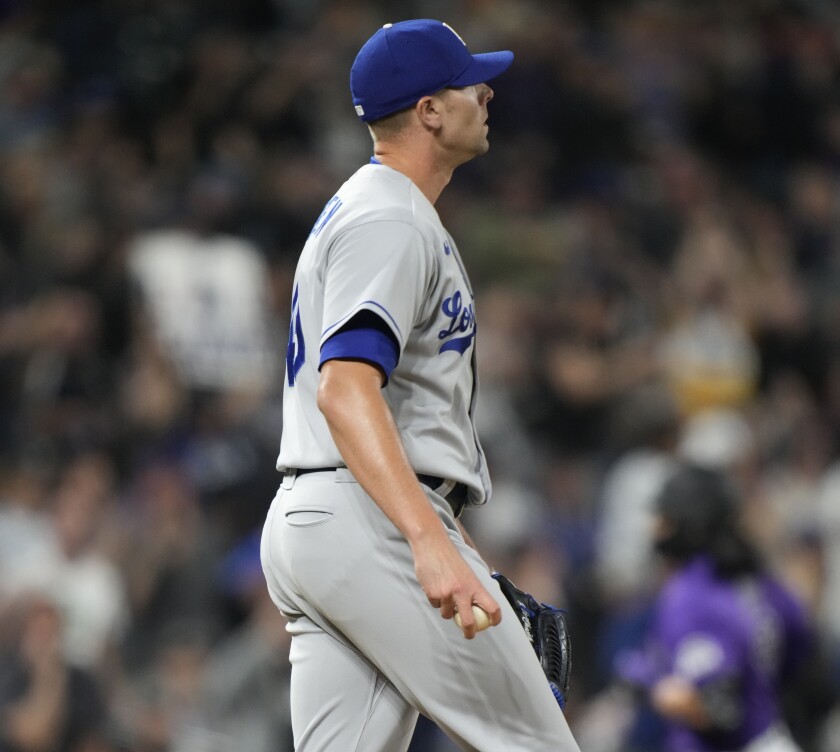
(368, 650)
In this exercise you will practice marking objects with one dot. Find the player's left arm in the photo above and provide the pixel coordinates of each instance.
(716, 705)
(677, 699)
(702, 689)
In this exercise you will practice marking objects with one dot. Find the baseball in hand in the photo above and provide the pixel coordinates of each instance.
(482, 619)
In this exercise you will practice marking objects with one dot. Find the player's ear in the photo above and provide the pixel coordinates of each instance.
(430, 109)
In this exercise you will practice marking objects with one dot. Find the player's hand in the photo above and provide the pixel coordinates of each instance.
(451, 585)
(678, 699)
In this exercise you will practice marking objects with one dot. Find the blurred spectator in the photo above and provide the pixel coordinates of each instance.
(707, 352)
(246, 682)
(207, 301)
(649, 431)
(86, 583)
(56, 544)
(156, 709)
(828, 519)
(45, 702)
(169, 563)
(28, 549)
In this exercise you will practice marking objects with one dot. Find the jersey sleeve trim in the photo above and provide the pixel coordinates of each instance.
(364, 304)
(368, 344)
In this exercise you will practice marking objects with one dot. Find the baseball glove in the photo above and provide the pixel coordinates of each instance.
(545, 627)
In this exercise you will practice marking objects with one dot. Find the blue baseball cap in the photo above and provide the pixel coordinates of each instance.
(405, 61)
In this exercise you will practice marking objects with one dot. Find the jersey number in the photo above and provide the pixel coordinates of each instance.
(296, 352)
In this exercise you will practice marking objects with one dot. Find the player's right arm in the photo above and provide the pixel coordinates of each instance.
(366, 435)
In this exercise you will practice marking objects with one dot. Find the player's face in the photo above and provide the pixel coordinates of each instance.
(465, 124)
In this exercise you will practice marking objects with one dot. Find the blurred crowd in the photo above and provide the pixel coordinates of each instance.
(654, 239)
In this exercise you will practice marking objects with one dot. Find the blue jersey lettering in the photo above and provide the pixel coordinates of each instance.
(296, 351)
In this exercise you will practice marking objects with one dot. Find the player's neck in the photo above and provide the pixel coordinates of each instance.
(429, 177)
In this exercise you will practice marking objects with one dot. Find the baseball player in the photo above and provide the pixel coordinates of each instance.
(725, 635)
(379, 454)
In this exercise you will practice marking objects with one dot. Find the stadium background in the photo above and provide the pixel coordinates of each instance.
(655, 243)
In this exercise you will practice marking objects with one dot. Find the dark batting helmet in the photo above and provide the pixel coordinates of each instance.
(699, 511)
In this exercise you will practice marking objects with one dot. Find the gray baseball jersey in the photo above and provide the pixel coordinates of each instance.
(379, 246)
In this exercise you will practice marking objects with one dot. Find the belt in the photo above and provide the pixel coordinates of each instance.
(457, 496)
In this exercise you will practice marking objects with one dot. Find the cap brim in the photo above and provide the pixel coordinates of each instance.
(484, 67)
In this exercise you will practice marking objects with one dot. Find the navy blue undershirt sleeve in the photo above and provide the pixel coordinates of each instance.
(365, 337)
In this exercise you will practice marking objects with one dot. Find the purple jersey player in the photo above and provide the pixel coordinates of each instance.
(724, 634)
